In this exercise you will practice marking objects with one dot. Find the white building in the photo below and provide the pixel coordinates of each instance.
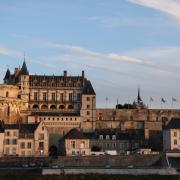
(171, 136)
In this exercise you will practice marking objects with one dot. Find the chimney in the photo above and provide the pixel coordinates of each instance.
(16, 72)
(65, 73)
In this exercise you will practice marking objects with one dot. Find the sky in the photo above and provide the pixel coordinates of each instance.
(121, 45)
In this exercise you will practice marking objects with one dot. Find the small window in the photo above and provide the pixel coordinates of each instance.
(107, 137)
(175, 134)
(7, 94)
(41, 145)
(175, 142)
(101, 137)
(29, 145)
(88, 99)
(22, 145)
(88, 112)
(73, 144)
(41, 136)
(88, 106)
(113, 137)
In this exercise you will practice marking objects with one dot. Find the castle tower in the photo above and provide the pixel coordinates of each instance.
(24, 84)
(88, 109)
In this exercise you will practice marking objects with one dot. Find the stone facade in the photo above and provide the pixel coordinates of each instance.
(66, 102)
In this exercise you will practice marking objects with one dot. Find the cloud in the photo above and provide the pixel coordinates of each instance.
(9, 52)
(101, 56)
(170, 7)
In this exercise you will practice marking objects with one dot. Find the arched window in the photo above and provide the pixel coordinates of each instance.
(101, 137)
(35, 106)
(61, 106)
(113, 137)
(70, 106)
(53, 107)
(107, 137)
(44, 106)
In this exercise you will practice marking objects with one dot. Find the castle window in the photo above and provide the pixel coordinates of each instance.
(175, 141)
(35, 96)
(53, 96)
(70, 96)
(62, 97)
(53, 107)
(22, 145)
(29, 145)
(44, 96)
(88, 106)
(62, 107)
(44, 106)
(70, 106)
(8, 111)
(113, 137)
(7, 94)
(101, 137)
(35, 106)
(88, 112)
(107, 137)
(88, 99)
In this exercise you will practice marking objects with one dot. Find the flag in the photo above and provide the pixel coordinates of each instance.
(163, 100)
(151, 99)
(174, 99)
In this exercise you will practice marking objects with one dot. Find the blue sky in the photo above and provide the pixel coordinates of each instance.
(121, 44)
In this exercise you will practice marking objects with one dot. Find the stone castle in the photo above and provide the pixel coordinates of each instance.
(66, 102)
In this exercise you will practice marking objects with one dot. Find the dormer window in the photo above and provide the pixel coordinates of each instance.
(113, 137)
(107, 137)
(101, 137)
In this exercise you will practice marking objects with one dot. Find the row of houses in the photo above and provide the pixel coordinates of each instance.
(23, 140)
(27, 140)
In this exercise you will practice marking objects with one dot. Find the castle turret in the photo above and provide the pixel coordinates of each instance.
(24, 70)
(24, 83)
(7, 76)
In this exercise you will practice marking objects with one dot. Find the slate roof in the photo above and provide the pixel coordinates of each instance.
(8, 74)
(88, 89)
(24, 70)
(75, 134)
(173, 124)
(23, 128)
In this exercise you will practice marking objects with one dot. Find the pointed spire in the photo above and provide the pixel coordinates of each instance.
(8, 74)
(24, 70)
(139, 95)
